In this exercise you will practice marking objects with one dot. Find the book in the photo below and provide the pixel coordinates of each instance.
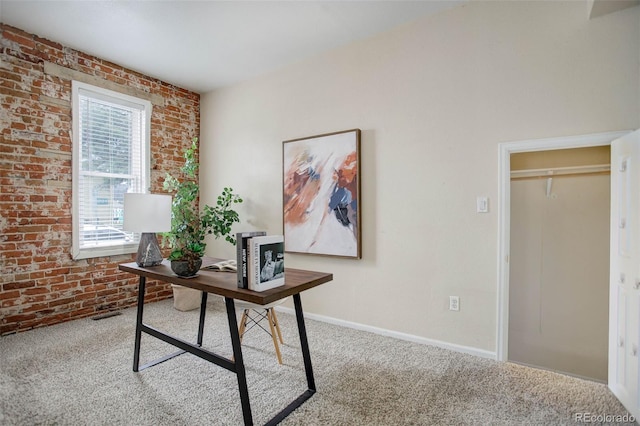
(266, 262)
(242, 246)
(224, 266)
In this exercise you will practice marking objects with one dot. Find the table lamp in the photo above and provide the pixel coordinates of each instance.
(148, 214)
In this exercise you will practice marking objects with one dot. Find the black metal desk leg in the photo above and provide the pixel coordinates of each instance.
(136, 350)
(304, 343)
(203, 311)
(239, 363)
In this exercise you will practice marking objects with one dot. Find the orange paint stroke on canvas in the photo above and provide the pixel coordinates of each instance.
(302, 183)
(347, 173)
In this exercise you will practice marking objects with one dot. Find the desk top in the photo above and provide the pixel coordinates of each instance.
(226, 283)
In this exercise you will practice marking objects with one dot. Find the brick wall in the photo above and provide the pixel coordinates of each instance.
(40, 284)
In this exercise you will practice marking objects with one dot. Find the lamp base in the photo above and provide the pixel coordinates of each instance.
(149, 253)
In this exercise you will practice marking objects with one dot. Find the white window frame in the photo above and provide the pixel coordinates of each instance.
(78, 88)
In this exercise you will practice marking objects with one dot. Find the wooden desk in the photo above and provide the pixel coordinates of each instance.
(225, 285)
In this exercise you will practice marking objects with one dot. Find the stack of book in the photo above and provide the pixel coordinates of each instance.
(260, 260)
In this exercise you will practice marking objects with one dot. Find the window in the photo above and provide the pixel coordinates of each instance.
(110, 158)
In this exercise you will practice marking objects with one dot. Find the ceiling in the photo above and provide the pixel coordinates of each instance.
(205, 45)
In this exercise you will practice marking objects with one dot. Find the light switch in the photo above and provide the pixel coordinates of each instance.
(482, 205)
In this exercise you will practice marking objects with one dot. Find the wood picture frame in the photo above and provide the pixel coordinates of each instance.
(321, 194)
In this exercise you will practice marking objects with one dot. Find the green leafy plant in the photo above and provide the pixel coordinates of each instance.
(189, 225)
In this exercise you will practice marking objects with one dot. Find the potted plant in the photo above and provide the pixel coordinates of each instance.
(189, 224)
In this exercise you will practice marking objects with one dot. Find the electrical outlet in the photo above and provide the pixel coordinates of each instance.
(454, 303)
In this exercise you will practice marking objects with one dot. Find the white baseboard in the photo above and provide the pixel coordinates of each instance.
(395, 334)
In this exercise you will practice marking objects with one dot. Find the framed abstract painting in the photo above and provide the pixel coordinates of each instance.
(321, 194)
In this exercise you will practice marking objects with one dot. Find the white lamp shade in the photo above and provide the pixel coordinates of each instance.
(147, 212)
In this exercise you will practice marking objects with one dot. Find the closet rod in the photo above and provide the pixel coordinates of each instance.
(558, 172)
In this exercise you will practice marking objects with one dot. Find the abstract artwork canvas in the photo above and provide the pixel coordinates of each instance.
(322, 194)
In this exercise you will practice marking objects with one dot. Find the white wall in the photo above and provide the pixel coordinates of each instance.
(433, 99)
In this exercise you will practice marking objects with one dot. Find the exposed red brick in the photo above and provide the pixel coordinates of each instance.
(11, 302)
(16, 285)
(14, 294)
(47, 286)
(37, 307)
(63, 301)
(19, 318)
(36, 290)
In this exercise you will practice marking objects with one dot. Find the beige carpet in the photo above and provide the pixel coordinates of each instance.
(79, 373)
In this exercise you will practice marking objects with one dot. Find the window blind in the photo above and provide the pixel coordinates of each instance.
(111, 162)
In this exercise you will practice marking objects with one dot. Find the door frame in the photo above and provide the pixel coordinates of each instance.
(504, 214)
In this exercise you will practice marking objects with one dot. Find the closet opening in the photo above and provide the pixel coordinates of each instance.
(559, 260)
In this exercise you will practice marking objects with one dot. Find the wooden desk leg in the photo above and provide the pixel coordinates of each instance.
(304, 343)
(203, 311)
(136, 350)
(239, 363)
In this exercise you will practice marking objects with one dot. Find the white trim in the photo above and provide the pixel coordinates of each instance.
(78, 88)
(395, 334)
(504, 219)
